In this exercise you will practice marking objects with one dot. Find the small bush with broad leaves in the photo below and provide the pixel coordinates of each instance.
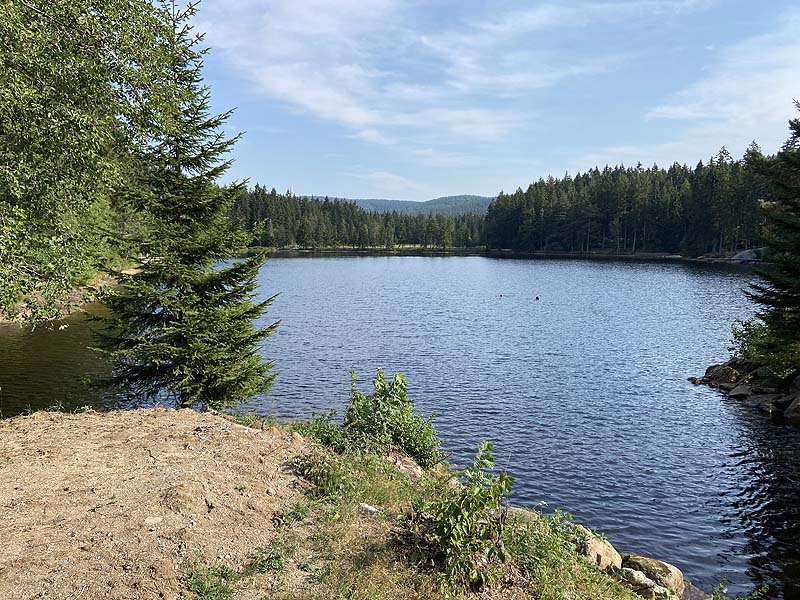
(466, 536)
(377, 422)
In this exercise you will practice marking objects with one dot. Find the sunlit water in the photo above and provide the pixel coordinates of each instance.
(584, 392)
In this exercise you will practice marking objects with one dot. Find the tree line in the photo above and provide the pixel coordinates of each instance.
(285, 220)
(715, 207)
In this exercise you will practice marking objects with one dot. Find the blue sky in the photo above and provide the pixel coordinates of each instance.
(413, 100)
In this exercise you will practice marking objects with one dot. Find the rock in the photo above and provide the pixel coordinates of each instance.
(151, 521)
(783, 402)
(522, 514)
(699, 380)
(405, 464)
(760, 389)
(792, 412)
(663, 574)
(794, 387)
(727, 387)
(741, 391)
(723, 374)
(637, 580)
(763, 373)
(598, 550)
(745, 255)
(742, 364)
(694, 593)
(366, 509)
(765, 403)
(645, 587)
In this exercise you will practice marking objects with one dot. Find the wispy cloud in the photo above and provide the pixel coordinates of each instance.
(392, 184)
(746, 94)
(371, 67)
(750, 85)
(474, 87)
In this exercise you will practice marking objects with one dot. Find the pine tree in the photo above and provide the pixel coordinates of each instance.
(776, 340)
(184, 325)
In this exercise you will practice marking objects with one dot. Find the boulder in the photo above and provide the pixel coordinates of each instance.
(745, 255)
(792, 412)
(404, 464)
(761, 389)
(597, 550)
(742, 364)
(763, 373)
(783, 402)
(645, 587)
(794, 387)
(765, 403)
(663, 574)
(719, 374)
(637, 580)
(694, 593)
(741, 391)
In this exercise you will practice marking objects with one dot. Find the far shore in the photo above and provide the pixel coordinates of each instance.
(496, 253)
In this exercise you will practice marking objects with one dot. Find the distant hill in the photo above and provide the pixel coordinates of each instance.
(447, 205)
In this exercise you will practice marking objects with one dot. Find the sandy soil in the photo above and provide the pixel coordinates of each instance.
(119, 505)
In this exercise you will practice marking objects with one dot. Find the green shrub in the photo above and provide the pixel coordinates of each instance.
(468, 525)
(754, 341)
(374, 423)
(323, 429)
(328, 473)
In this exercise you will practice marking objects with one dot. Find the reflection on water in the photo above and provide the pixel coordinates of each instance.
(49, 366)
(584, 392)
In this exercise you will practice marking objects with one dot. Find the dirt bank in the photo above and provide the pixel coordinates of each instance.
(117, 505)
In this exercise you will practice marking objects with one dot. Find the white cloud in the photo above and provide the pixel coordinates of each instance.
(371, 67)
(392, 185)
(448, 96)
(372, 135)
(748, 93)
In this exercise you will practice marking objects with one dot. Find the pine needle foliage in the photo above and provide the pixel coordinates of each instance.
(184, 324)
(775, 337)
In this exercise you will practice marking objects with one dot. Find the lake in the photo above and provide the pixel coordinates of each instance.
(583, 392)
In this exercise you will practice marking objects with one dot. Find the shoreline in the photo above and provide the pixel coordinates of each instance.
(140, 497)
(756, 386)
(500, 254)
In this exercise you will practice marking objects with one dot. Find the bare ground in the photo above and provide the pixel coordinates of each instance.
(119, 505)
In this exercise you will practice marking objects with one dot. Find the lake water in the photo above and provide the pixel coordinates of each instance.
(584, 392)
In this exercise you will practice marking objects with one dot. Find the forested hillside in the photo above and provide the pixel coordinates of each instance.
(288, 220)
(714, 207)
(446, 205)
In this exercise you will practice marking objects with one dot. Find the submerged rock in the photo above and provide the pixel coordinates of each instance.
(663, 574)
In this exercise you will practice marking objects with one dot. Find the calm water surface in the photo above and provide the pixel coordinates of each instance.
(584, 392)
